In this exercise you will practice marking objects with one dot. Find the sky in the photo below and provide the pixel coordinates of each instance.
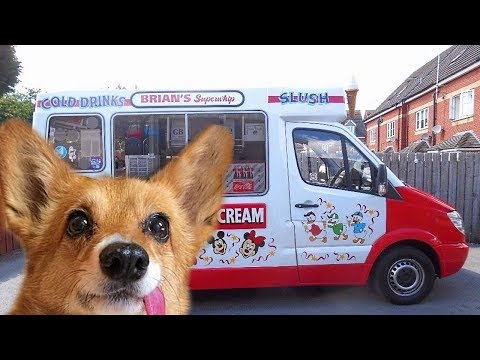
(378, 69)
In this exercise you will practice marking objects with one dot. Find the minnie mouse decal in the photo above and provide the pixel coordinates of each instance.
(251, 244)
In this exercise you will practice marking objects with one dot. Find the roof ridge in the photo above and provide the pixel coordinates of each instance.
(461, 133)
(439, 66)
(467, 56)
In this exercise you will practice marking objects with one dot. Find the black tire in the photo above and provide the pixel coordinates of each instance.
(404, 276)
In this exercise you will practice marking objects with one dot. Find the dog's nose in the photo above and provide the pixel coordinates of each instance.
(121, 261)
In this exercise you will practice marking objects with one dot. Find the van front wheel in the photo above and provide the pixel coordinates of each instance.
(404, 276)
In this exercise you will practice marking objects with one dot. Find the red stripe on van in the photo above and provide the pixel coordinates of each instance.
(247, 277)
(258, 277)
(336, 99)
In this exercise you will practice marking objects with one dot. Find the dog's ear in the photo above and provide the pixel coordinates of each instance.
(29, 170)
(197, 177)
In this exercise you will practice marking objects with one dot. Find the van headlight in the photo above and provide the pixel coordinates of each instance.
(456, 219)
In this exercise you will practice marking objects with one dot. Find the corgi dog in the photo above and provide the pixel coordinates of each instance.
(109, 246)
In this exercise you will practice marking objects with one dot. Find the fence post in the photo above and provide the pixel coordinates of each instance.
(476, 200)
(468, 194)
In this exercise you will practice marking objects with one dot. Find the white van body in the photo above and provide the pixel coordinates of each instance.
(288, 218)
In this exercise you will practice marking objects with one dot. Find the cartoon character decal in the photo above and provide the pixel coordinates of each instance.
(96, 162)
(358, 225)
(219, 245)
(337, 227)
(61, 151)
(313, 228)
(72, 153)
(251, 244)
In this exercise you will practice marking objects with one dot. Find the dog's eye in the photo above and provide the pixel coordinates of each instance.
(78, 223)
(157, 225)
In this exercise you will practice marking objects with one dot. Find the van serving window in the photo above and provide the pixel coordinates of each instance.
(144, 143)
(323, 160)
(78, 140)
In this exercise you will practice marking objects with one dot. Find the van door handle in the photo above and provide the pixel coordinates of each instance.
(305, 205)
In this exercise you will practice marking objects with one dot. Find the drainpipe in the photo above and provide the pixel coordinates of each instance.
(379, 121)
(407, 122)
(434, 117)
(400, 127)
(435, 97)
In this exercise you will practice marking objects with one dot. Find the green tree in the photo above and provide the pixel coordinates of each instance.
(18, 104)
(10, 69)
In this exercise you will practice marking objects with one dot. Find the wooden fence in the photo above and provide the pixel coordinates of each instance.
(452, 177)
(8, 241)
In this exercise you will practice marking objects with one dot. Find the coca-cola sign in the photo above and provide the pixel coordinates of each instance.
(244, 186)
(246, 178)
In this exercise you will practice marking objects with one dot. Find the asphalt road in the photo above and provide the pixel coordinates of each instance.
(457, 294)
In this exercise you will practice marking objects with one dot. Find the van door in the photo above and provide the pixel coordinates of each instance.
(336, 214)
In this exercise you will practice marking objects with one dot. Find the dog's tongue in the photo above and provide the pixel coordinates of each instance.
(155, 303)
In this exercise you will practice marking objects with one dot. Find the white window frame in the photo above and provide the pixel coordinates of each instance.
(462, 111)
(373, 135)
(390, 129)
(421, 119)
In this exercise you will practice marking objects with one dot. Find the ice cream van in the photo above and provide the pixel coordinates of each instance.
(306, 202)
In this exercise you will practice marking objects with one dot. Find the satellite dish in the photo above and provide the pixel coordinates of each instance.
(425, 137)
(437, 129)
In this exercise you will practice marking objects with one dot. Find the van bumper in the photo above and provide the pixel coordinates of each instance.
(452, 258)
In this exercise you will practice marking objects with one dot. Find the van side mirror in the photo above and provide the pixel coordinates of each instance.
(382, 180)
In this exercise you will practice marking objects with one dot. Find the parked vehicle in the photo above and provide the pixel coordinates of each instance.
(306, 202)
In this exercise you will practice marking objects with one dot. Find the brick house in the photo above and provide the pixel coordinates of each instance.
(409, 115)
(356, 125)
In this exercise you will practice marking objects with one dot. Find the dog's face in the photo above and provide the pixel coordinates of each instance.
(100, 246)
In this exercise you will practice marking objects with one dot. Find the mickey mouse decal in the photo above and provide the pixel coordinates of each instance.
(219, 245)
(251, 244)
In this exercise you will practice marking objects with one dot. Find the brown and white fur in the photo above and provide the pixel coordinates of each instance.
(42, 199)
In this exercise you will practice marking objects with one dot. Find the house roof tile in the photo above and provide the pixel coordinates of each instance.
(462, 140)
(453, 60)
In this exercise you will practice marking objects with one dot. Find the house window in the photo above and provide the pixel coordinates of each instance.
(373, 135)
(391, 129)
(421, 119)
(461, 105)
